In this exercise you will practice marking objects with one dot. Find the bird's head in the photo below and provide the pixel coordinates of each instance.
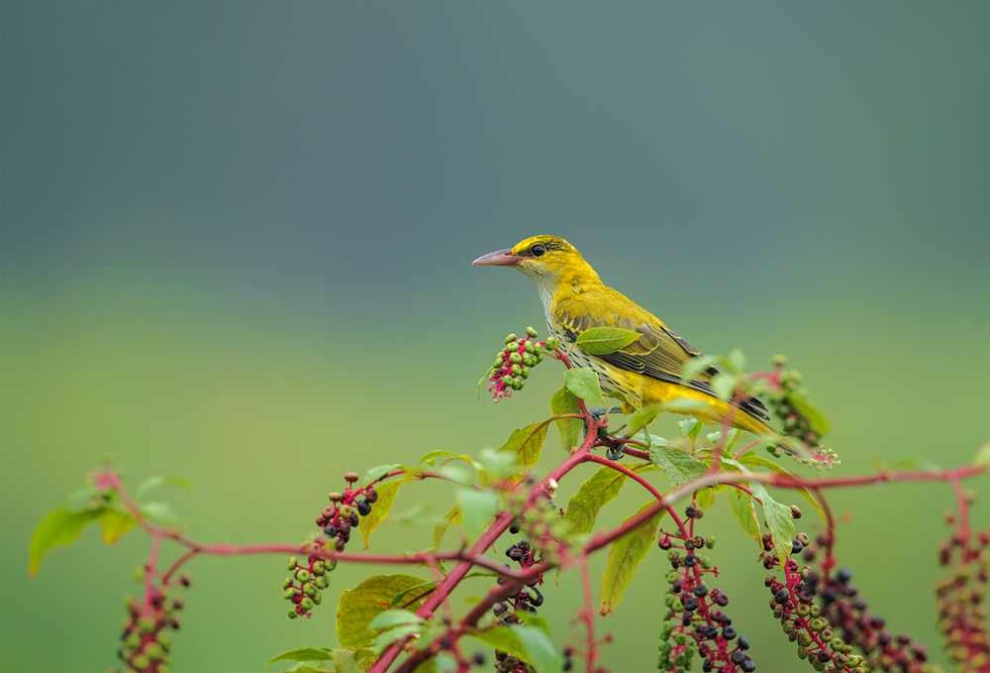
(544, 258)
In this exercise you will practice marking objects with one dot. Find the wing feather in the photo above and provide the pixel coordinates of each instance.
(659, 352)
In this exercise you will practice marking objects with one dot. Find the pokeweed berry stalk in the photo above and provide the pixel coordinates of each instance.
(849, 614)
(961, 594)
(307, 579)
(695, 622)
(146, 639)
(793, 602)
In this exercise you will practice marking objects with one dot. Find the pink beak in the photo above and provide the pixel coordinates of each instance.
(497, 258)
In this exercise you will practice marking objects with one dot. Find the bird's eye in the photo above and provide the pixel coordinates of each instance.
(538, 250)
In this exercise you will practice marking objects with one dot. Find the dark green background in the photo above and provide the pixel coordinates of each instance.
(235, 246)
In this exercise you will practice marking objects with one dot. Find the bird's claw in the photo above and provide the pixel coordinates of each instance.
(599, 412)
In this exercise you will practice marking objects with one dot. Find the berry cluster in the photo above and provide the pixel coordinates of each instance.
(848, 613)
(145, 641)
(345, 510)
(695, 622)
(793, 601)
(305, 584)
(961, 601)
(786, 397)
(306, 581)
(527, 599)
(514, 362)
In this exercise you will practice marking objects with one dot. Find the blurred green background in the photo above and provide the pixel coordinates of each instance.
(235, 246)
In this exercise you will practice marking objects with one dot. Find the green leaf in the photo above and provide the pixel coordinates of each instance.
(58, 529)
(496, 465)
(527, 443)
(115, 524)
(745, 513)
(983, 455)
(459, 473)
(304, 654)
(569, 429)
(584, 383)
(413, 594)
(679, 465)
(605, 340)
(323, 660)
(724, 385)
(779, 521)
(359, 606)
(445, 663)
(478, 508)
(160, 513)
(696, 365)
(753, 459)
(600, 488)
(641, 418)
(706, 496)
(380, 471)
(387, 491)
(311, 667)
(392, 618)
(151, 483)
(529, 643)
(444, 456)
(386, 638)
(815, 417)
(452, 517)
(736, 361)
(624, 557)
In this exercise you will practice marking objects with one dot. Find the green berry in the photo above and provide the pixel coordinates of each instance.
(531, 332)
(509, 338)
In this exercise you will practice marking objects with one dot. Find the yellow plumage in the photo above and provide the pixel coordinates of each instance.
(647, 371)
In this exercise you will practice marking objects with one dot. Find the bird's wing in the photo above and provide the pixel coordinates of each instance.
(659, 352)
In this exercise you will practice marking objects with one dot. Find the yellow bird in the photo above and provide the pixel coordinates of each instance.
(647, 371)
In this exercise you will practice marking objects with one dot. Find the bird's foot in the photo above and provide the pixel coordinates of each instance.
(614, 452)
(599, 412)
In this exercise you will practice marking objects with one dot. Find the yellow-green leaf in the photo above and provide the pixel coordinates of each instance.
(360, 605)
(569, 429)
(598, 490)
(452, 517)
(387, 491)
(527, 443)
(983, 455)
(59, 529)
(115, 524)
(624, 557)
(605, 340)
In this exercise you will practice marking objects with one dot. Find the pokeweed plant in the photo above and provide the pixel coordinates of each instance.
(406, 622)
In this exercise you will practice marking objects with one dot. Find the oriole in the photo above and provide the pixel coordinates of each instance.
(647, 371)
